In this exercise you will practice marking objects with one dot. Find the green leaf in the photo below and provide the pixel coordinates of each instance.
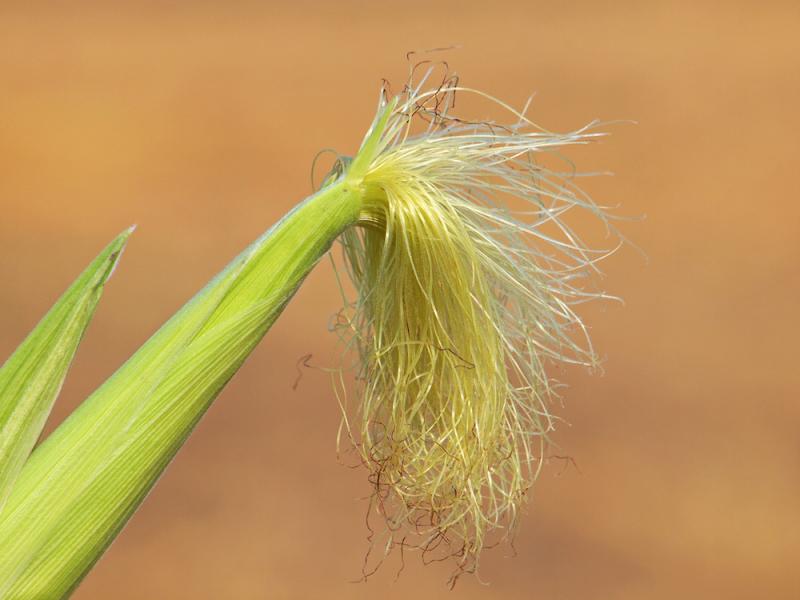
(32, 377)
(83, 483)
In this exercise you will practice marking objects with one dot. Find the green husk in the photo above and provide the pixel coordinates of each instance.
(31, 378)
(83, 483)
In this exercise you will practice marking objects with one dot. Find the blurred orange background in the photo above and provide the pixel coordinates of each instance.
(198, 121)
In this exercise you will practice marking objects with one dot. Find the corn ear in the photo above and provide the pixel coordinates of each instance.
(32, 377)
(460, 304)
(84, 482)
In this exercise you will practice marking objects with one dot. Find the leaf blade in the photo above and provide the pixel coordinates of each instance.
(31, 378)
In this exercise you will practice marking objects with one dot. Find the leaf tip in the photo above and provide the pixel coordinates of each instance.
(115, 250)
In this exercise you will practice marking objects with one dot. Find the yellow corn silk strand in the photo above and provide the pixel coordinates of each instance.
(460, 302)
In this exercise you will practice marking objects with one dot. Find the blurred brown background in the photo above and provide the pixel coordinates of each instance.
(198, 121)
